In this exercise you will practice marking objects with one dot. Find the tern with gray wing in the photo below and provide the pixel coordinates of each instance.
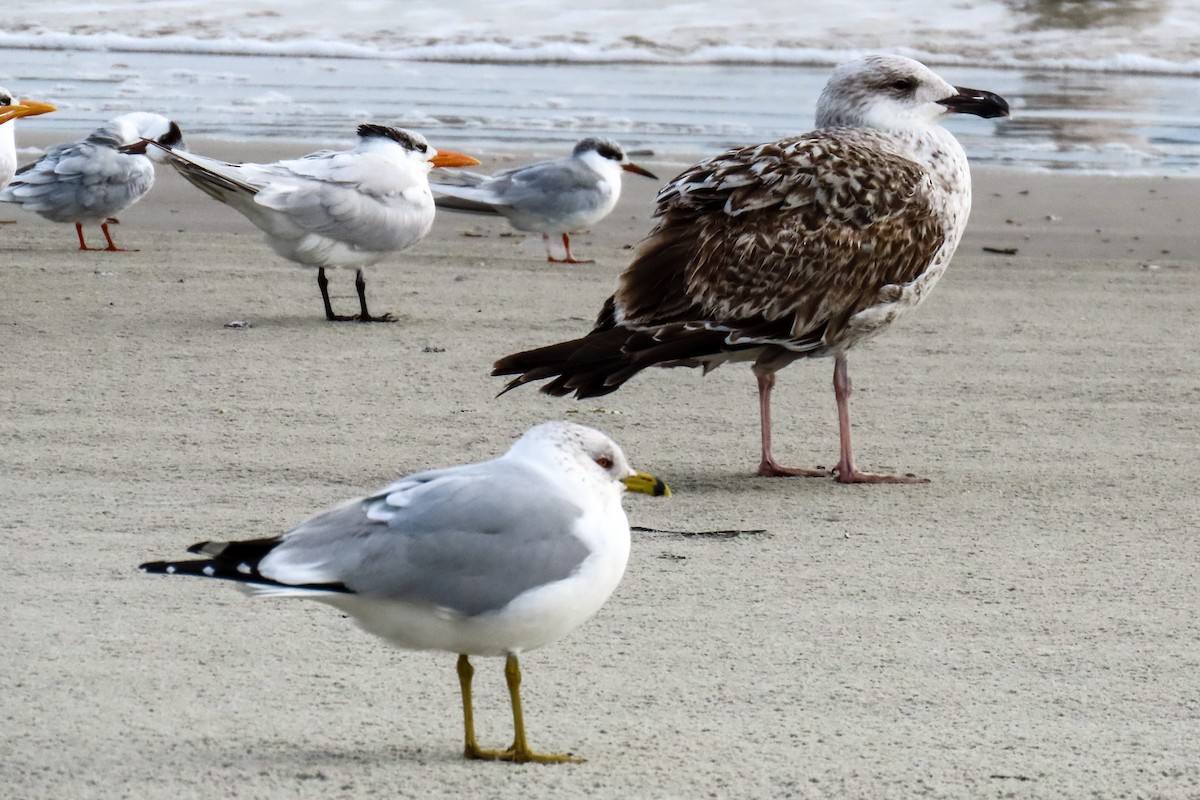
(91, 180)
(553, 198)
(347, 209)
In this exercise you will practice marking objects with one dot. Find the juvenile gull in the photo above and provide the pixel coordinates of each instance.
(791, 249)
(487, 559)
(91, 180)
(550, 197)
(13, 109)
(345, 209)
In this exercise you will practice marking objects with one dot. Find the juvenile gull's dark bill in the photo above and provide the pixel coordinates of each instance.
(791, 249)
(553, 198)
(488, 559)
(346, 209)
(91, 180)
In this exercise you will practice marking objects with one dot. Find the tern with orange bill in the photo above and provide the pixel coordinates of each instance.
(13, 109)
(347, 209)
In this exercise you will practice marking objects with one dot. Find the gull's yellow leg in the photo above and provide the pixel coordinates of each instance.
(471, 749)
(519, 751)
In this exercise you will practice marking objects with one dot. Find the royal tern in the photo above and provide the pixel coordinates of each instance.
(487, 559)
(12, 109)
(791, 249)
(91, 180)
(550, 197)
(334, 209)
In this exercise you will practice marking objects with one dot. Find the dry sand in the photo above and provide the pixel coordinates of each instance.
(1023, 626)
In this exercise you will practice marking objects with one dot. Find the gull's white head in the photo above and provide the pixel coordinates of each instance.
(577, 450)
(894, 93)
(410, 146)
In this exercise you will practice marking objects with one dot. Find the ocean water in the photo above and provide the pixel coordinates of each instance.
(1098, 85)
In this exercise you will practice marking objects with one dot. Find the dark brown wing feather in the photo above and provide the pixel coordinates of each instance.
(810, 228)
(781, 244)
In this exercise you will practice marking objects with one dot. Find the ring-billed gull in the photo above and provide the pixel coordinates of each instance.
(345, 209)
(12, 109)
(91, 180)
(791, 249)
(487, 559)
(550, 197)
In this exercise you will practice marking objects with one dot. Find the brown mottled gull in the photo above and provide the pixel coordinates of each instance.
(791, 249)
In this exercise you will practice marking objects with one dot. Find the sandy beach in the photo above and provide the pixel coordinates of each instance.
(1023, 626)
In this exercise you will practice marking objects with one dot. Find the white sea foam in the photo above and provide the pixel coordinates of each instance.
(1143, 36)
(682, 79)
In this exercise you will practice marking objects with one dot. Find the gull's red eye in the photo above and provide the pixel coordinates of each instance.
(605, 462)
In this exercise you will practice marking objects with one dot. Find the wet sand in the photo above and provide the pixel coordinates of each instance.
(1025, 625)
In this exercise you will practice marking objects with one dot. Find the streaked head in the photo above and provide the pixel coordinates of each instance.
(897, 93)
(413, 143)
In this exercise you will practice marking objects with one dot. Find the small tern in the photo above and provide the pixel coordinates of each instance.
(91, 180)
(553, 198)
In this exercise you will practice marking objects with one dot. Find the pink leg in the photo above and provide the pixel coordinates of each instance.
(112, 247)
(845, 471)
(768, 467)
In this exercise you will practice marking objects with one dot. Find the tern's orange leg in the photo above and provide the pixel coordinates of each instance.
(570, 259)
(112, 246)
(79, 233)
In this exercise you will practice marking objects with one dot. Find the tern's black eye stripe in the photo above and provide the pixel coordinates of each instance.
(610, 152)
(403, 138)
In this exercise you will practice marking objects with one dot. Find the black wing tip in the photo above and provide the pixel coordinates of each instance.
(212, 568)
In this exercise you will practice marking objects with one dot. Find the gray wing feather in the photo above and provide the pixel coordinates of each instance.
(465, 539)
(81, 179)
(547, 188)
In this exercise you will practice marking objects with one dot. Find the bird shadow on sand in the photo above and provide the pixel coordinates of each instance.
(307, 762)
(299, 322)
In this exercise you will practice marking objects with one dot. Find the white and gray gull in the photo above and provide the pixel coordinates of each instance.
(91, 180)
(13, 109)
(791, 249)
(553, 198)
(487, 559)
(346, 209)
